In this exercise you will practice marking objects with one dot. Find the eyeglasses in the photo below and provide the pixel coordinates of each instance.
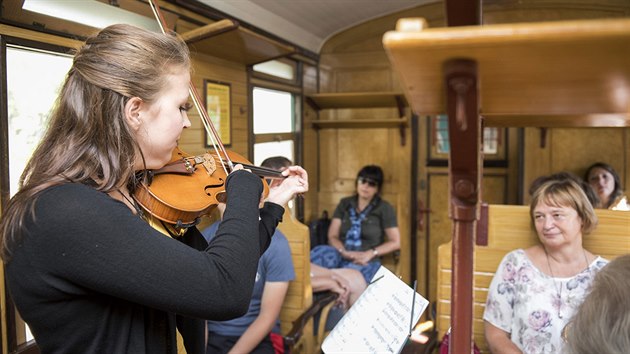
(370, 182)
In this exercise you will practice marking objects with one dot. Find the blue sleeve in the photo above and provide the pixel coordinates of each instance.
(277, 260)
(209, 232)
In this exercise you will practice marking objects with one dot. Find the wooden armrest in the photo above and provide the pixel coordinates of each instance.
(297, 330)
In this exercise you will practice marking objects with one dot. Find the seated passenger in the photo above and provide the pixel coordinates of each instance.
(258, 331)
(607, 184)
(536, 291)
(363, 228)
(602, 322)
(347, 283)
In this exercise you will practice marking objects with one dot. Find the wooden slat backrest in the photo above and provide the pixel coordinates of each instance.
(509, 228)
(300, 294)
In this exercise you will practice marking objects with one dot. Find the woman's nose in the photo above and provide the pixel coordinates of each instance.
(601, 181)
(186, 122)
(548, 223)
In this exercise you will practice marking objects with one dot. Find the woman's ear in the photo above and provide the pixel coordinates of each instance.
(133, 108)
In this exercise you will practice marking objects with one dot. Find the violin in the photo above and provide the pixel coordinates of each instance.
(191, 186)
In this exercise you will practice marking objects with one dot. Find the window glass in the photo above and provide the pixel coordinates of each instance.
(273, 111)
(34, 79)
(441, 134)
(276, 68)
(490, 140)
(491, 137)
(275, 148)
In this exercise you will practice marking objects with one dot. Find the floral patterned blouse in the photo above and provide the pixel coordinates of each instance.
(533, 306)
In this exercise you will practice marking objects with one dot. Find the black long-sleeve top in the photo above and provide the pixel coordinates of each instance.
(89, 276)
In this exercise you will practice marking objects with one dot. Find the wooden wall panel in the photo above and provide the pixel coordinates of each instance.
(369, 79)
(510, 11)
(594, 145)
(574, 150)
(440, 228)
(310, 153)
(210, 68)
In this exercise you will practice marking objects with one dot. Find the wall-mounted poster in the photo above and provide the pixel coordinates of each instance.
(218, 107)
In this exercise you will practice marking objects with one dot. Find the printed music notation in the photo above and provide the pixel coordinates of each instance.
(379, 321)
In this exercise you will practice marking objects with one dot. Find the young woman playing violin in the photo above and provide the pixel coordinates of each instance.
(85, 270)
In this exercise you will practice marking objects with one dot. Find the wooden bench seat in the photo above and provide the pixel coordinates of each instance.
(298, 309)
(509, 228)
(300, 294)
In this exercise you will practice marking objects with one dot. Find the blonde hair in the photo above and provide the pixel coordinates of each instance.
(87, 139)
(602, 322)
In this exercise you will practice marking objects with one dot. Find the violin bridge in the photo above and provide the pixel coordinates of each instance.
(207, 161)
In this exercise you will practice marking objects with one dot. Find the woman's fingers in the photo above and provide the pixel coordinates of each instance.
(295, 183)
(239, 167)
(299, 174)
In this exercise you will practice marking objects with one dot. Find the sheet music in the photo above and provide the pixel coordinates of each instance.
(379, 320)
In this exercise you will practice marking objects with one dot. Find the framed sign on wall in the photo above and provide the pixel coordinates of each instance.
(218, 106)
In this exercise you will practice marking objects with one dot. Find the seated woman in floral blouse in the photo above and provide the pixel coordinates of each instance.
(535, 292)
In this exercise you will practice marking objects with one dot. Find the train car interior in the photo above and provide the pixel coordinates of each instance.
(463, 104)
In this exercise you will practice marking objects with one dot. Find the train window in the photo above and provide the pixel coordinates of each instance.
(276, 96)
(273, 123)
(272, 111)
(441, 134)
(491, 137)
(33, 82)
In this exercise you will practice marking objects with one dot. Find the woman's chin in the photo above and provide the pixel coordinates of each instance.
(155, 164)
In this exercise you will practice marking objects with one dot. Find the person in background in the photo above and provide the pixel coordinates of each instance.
(85, 270)
(535, 292)
(258, 331)
(347, 283)
(363, 228)
(607, 184)
(602, 322)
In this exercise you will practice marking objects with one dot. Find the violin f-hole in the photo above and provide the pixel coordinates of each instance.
(209, 187)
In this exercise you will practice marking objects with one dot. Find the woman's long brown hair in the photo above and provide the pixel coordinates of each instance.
(87, 139)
